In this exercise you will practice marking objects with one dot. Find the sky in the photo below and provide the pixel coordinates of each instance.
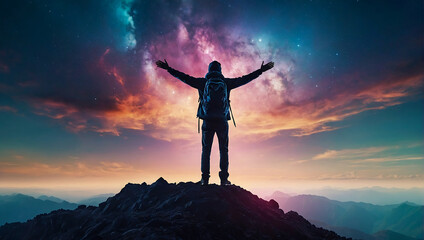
(84, 109)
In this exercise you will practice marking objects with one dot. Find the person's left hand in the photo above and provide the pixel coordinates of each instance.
(267, 66)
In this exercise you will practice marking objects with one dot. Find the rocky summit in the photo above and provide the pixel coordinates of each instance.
(165, 210)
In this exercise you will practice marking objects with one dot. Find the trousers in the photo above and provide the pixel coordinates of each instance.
(209, 128)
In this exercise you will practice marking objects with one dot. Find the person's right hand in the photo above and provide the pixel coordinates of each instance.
(267, 66)
(163, 65)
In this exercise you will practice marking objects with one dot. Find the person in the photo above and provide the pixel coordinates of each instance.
(214, 105)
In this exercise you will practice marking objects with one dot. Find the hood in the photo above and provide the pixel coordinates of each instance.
(214, 70)
(214, 66)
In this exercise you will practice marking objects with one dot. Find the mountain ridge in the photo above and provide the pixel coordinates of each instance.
(172, 211)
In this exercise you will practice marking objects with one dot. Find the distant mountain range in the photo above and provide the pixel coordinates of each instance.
(19, 207)
(356, 234)
(96, 200)
(172, 211)
(374, 195)
(357, 219)
(51, 198)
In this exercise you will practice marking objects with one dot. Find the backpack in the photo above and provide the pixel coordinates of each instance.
(215, 103)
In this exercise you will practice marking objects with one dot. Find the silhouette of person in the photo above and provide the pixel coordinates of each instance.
(214, 123)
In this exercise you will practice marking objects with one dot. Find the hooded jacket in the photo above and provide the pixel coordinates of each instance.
(214, 71)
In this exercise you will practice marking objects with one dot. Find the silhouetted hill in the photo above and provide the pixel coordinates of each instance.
(345, 231)
(19, 207)
(390, 235)
(282, 197)
(345, 217)
(404, 218)
(171, 211)
(358, 235)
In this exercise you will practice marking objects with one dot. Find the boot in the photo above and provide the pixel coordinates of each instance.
(204, 181)
(225, 182)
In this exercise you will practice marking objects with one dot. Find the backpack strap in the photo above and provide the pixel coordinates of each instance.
(198, 119)
(198, 125)
(231, 111)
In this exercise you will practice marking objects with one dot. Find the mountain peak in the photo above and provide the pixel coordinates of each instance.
(161, 181)
(172, 211)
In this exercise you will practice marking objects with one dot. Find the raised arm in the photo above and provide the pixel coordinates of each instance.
(237, 82)
(192, 81)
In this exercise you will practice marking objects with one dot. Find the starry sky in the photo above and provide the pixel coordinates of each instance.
(84, 108)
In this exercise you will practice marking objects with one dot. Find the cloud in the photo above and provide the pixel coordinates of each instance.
(4, 68)
(350, 153)
(8, 109)
(367, 176)
(359, 157)
(391, 159)
(28, 169)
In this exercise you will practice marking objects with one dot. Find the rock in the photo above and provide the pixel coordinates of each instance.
(82, 206)
(274, 204)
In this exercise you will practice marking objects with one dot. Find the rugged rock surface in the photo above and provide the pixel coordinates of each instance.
(171, 211)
